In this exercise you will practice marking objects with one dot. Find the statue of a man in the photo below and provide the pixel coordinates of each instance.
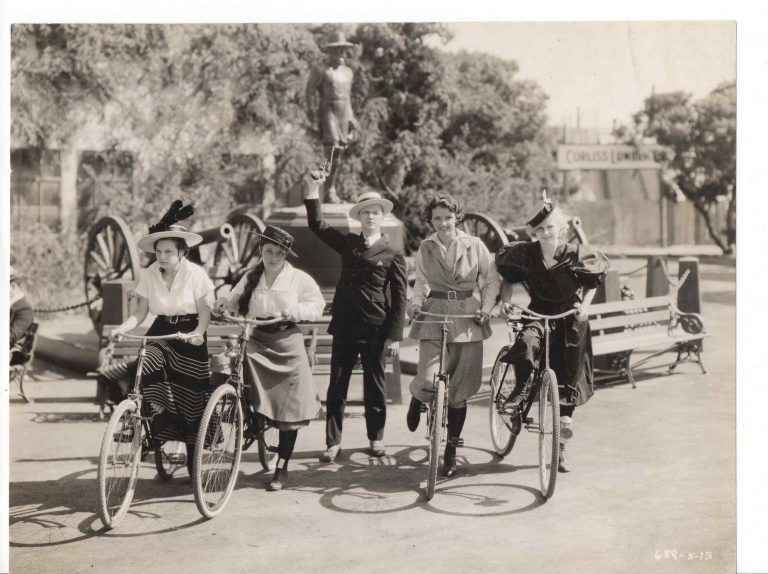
(329, 106)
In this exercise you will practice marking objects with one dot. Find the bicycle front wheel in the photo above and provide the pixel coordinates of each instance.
(119, 463)
(502, 386)
(217, 452)
(435, 434)
(549, 432)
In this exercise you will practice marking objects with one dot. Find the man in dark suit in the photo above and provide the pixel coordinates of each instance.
(367, 314)
(21, 318)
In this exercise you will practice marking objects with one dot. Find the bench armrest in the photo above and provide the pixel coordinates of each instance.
(692, 323)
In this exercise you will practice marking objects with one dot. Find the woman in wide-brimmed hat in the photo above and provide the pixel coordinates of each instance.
(277, 368)
(176, 374)
(558, 276)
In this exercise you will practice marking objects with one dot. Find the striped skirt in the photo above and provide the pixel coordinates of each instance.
(176, 376)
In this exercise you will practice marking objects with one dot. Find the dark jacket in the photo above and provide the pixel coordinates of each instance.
(371, 294)
(22, 317)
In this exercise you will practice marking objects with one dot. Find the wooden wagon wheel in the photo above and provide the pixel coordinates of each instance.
(482, 226)
(110, 253)
(235, 251)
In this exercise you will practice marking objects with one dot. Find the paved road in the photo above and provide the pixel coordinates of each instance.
(652, 490)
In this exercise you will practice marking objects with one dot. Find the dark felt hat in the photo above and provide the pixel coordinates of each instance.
(541, 214)
(279, 237)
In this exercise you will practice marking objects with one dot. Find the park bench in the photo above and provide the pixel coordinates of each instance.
(652, 324)
(316, 340)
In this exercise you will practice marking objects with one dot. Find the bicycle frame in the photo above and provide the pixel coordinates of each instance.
(539, 368)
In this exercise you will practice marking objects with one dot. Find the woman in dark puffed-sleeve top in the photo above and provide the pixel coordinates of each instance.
(558, 276)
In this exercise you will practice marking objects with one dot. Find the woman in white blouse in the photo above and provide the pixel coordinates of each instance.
(176, 375)
(277, 368)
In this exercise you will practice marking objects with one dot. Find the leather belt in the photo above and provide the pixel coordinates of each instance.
(173, 319)
(450, 295)
(275, 328)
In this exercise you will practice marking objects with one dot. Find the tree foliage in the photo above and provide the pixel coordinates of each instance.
(215, 114)
(702, 137)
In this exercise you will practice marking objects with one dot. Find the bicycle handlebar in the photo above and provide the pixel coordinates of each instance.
(180, 336)
(445, 316)
(254, 322)
(528, 314)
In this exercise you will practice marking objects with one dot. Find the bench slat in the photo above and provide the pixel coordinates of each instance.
(620, 342)
(629, 321)
(628, 305)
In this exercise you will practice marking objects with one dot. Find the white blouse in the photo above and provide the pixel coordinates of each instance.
(294, 292)
(190, 284)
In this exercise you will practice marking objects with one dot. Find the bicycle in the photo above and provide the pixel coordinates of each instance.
(127, 441)
(506, 421)
(229, 426)
(437, 408)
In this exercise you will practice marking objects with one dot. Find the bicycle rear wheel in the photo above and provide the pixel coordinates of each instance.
(217, 452)
(435, 433)
(549, 432)
(503, 383)
(170, 459)
(119, 463)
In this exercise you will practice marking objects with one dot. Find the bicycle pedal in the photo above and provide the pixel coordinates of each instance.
(529, 420)
(177, 458)
(423, 407)
(457, 442)
(272, 448)
(125, 435)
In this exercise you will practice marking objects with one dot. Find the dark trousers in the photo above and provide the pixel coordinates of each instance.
(344, 355)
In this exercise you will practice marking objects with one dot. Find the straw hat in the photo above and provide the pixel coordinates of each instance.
(147, 243)
(168, 228)
(340, 41)
(367, 199)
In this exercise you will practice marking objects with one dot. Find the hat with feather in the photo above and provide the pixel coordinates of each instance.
(168, 228)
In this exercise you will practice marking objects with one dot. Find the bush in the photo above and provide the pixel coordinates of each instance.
(51, 263)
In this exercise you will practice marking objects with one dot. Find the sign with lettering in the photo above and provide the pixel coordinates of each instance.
(611, 157)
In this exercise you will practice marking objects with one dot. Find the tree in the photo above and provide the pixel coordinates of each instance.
(215, 114)
(702, 137)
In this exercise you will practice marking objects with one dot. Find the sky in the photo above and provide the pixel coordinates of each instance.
(603, 71)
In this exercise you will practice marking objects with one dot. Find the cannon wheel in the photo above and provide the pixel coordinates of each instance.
(234, 252)
(482, 226)
(110, 253)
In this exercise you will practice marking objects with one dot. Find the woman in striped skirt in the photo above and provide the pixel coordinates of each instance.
(176, 373)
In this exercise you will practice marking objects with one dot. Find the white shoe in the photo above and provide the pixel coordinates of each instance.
(330, 453)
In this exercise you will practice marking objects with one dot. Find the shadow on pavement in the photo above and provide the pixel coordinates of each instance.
(359, 484)
(42, 513)
(63, 511)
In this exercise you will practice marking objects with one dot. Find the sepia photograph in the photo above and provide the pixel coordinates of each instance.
(372, 295)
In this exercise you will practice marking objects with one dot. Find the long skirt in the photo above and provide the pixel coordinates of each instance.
(570, 356)
(463, 363)
(176, 376)
(279, 377)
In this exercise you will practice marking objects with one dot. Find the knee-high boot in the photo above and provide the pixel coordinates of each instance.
(456, 418)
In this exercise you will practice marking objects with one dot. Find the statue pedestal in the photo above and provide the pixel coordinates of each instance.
(317, 258)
